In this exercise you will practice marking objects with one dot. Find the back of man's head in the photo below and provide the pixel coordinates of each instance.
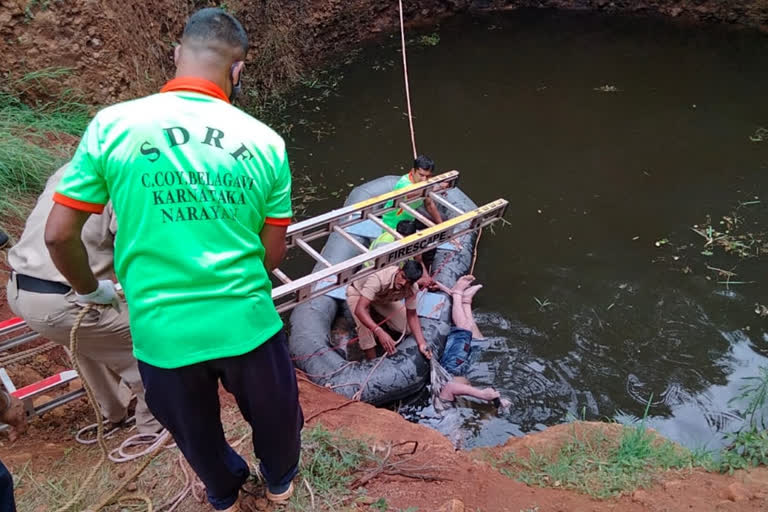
(424, 162)
(214, 29)
(412, 271)
(406, 227)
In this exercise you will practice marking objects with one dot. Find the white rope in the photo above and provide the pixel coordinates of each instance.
(405, 76)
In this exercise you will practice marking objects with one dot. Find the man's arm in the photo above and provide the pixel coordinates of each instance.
(415, 325)
(431, 207)
(273, 240)
(363, 313)
(65, 245)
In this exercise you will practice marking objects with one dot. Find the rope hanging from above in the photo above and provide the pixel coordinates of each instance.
(405, 76)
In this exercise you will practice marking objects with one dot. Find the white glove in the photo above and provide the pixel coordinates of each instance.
(105, 294)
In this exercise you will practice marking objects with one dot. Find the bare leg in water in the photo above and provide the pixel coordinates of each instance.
(462, 294)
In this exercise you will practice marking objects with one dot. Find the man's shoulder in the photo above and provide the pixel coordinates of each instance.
(126, 111)
(404, 181)
(385, 275)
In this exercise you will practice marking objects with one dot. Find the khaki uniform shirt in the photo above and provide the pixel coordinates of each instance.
(379, 288)
(30, 255)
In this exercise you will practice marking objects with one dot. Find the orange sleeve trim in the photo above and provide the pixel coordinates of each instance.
(77, 204)
(272, 221)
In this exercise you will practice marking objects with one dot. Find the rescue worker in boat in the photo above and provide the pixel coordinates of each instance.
(422, 169)
(383, 292)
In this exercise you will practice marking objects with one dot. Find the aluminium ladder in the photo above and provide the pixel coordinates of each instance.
(294, 292)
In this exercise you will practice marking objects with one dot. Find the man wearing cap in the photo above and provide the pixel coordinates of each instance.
(42, 296)
(202, 192)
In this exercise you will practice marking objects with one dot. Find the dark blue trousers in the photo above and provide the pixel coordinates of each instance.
(185, 400)
(7, 504)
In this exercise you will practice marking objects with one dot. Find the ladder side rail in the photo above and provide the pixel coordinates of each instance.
(374, 204)
(58, 401)
(300, 290)
(19, 340)
(11, 325)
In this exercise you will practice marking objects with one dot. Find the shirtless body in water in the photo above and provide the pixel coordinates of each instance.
(458, 346)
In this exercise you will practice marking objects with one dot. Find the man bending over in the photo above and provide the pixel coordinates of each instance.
(384, 292)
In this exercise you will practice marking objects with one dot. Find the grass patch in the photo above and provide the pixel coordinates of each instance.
(329, 463)
(749, 446)
(35, 139)
(601, 465)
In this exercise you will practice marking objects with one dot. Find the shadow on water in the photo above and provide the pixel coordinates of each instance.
(606, 134)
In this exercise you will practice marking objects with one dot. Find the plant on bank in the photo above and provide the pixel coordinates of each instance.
(749, 446)
(35, 139)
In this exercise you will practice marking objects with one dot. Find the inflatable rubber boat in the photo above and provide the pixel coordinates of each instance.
(322, 332)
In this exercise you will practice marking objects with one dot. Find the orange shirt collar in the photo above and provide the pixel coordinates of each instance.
(195, 84)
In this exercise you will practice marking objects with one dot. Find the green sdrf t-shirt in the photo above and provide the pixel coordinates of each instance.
(392, 218)
(193, 181)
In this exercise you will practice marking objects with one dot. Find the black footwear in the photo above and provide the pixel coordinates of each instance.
(3, 239)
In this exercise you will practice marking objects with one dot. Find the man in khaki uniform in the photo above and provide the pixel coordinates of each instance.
(39, 294)
(383, 291)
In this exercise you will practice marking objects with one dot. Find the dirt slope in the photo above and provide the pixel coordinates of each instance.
(466, 477)
(119, 50)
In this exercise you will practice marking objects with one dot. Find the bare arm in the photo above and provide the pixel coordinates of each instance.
(273, 239)
(429, 204)
(65, 245)
(415, 326)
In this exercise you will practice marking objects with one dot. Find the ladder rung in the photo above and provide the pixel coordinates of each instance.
(281, 276)
(416, 214)
(312, 252)
(383, 226)
(443, 201)
(349, 238)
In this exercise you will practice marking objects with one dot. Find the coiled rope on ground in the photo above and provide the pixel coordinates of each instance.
(100, 440)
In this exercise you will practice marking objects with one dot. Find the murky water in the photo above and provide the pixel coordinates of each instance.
(606, 134)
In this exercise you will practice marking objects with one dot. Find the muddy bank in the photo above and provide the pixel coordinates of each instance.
(463, 480)
(119, 50)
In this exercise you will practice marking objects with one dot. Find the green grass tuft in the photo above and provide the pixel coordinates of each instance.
(599, 466)
(34, 140)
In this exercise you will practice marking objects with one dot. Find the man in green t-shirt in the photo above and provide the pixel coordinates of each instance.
(202, 192)
(422, 170)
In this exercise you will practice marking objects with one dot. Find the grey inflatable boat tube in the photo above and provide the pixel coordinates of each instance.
(407, 371)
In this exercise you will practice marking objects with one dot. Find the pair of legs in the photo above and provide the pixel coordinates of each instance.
(105, 348)
(7, 503)
(462, 294)
(263, 382)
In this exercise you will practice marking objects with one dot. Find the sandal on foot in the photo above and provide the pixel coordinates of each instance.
(281, 497)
